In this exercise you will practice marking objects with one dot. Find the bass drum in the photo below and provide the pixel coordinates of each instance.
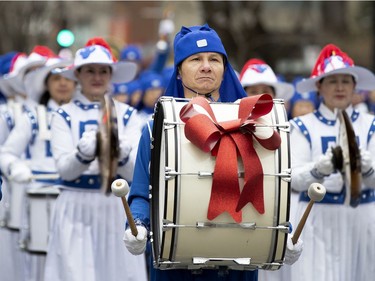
(181, 235)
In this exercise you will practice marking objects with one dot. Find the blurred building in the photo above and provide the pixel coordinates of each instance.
(286, 34)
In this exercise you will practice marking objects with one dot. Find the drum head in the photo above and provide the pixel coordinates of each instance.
(107, 144)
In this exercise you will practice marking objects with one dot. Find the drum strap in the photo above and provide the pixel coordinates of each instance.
(206, 95)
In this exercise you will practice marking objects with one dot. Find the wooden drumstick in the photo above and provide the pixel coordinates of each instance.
(316, 193)
(45, 177)
(120, 188)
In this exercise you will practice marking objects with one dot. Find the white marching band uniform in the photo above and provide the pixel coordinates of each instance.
(11, 258)
(86, 236)
(25, 137)
(346, 231)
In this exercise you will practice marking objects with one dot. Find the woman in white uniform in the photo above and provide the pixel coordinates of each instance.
(50, 90)
(85, 242)
(338, 238)
(14, 265)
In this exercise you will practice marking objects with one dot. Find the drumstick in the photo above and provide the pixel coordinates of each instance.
(120, 188)
(45, 177)
(316, 193)
(40, 177)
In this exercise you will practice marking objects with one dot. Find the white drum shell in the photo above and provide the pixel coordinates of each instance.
(184, 201)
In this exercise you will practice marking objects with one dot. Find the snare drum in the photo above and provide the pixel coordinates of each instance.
(181, 234)
(40, 203)
(16, 202)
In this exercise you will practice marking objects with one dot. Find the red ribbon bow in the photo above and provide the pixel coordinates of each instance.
(225, 140)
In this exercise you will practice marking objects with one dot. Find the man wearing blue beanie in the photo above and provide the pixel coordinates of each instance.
(201, 68)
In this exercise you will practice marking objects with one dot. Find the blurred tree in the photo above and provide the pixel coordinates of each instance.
(281, 30)
(28, 23)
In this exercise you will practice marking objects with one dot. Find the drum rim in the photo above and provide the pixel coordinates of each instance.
(155, 178)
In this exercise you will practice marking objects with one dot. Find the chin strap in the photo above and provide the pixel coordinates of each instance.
(206, 95)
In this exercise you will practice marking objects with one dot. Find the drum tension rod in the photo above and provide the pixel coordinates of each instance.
(285, 125)
(169, 174)
(167, 225)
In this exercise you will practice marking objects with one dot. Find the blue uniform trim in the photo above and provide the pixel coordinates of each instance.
(83, 161)
(123, 161)
(367, 196)
(34, 124)
(51, 181)
(303, 129)
(354, 117)
(65, 116)
(86, 106)
(371, 131)
(368, 173)
(323, 119)
(85, 182)
(9, 120)
(127, 115)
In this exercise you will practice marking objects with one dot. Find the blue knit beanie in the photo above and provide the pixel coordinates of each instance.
(199, 39)
(196, 39)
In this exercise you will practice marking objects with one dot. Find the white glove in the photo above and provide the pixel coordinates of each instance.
(166, 27)
(324, 166)
(136, 245)
(125, 148)
(366, 161)
(87, 145)
(292, 252)
(20, 172)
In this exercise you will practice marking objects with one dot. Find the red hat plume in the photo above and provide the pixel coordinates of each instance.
(100, 42)
(249, 63)
(43, 51)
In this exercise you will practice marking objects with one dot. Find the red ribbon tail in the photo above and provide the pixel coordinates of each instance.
(225, 186)
(252, 191)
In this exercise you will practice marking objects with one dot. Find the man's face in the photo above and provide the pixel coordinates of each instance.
(202, 72)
